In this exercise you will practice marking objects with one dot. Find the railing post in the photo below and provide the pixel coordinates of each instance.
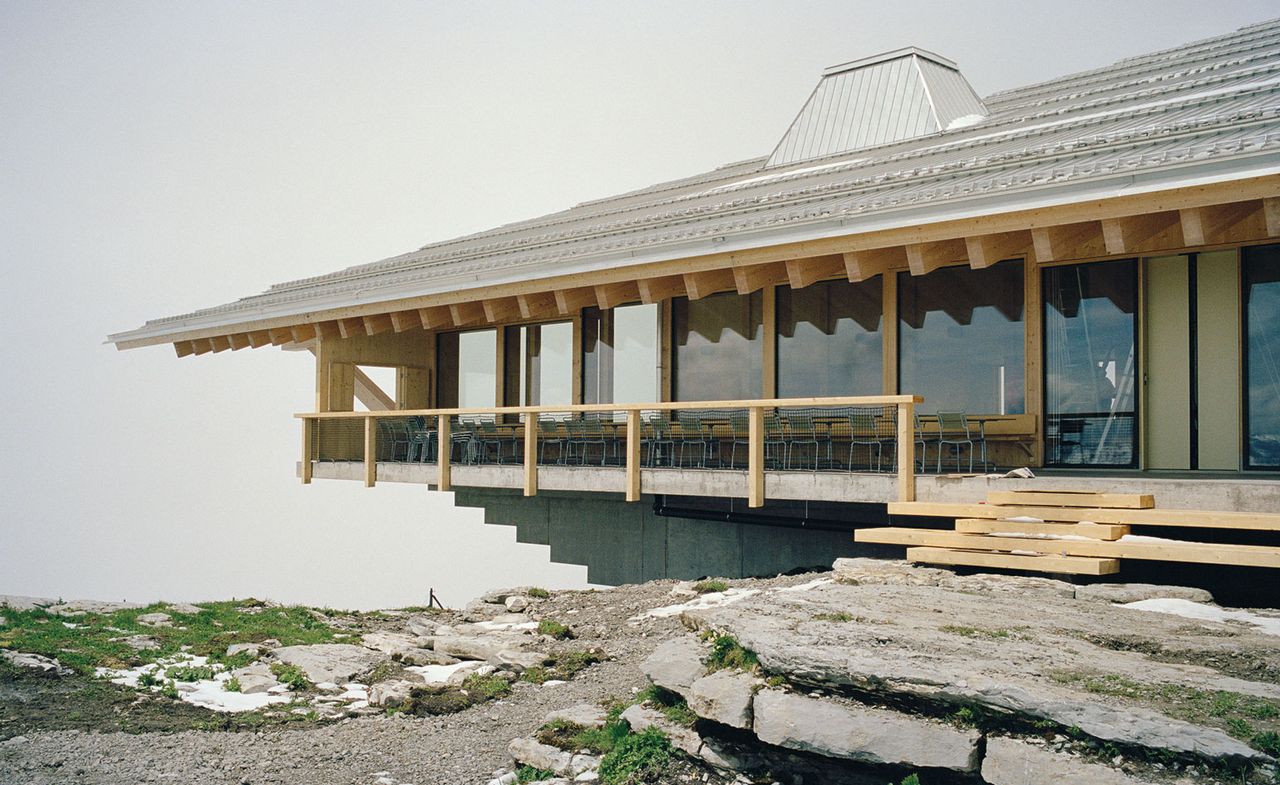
(308, 426)
(906, 453)
(444, 453)
(755, 457)
(370, 452)
(530, 454)
(633, 455)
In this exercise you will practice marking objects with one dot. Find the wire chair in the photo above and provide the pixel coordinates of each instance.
(655, 433)
(693, 434)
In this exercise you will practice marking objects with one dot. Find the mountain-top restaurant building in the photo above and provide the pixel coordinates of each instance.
(1080, 276)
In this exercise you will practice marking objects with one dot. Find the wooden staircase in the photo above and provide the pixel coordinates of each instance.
(1072, 532)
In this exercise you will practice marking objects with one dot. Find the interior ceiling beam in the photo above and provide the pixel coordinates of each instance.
(611, 295)
(570, 301)
(435, 316)
(861, 265)
(655, 290)
(1068, 241)
(985, 250)
(238, 341)
(537, 305)
(1137, 232)
(699, 285)
(466, 313)
(377, 323)
(807, 271)
(753, 278)
(924, 258)
(405, 320)
(501, 309)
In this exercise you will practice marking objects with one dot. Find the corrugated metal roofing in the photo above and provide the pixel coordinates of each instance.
(1207, 110)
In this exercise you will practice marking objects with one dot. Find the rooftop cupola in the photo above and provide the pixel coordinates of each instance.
(878, 100)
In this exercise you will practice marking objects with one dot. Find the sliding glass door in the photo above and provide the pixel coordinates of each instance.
(1262, 356)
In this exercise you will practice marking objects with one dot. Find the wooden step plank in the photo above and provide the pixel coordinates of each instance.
(1070, 565)
(1059, 498)
(1254, 521)
(1163, 550)
(1094, 531)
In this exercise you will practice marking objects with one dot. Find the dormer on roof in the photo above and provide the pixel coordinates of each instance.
(878, 100)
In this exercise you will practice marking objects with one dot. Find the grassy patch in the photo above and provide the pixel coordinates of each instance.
(188, 672)
(231, 685)
(672, 706)
(554, 629)
(562, 666)
(637, 758)
(485, 688)
(728, 654)
(840, 616)
(538, 593)
(710, 586)
(528, 773)
(974, 632)
(291, 675)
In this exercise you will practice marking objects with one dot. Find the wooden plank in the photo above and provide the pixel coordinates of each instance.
(308, 428)
(405, 320)
(861, 265)
(281, 336)
(699, 285)
(653, 290)
(466, 313)
(530, 455)
(328, 330)
(924, 258)
(370, 452)
(537, 305)
(571, 301)
(350, 327)
(769, 346)
(1033, 351)
(369, 393)
(985, 250)
(1094, 531)
(889, 341)
(1150, 550)
(633, 456)
(755, 277)
(611, 295)
(183, 348)
(1068, 241)
(1158, 516)
(804, 272)
(201, 346)
(238, 341)
(1193, 229)
(755, 457)
(501, 309)
(1132, 233)
(906, 453)
(444, 454)
(1067, 565)
(435, 317)
(1063, 498)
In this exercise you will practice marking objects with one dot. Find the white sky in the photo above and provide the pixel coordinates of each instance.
(160, 157)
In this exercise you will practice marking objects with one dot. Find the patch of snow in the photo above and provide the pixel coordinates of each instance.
(1201, 612)
(965, 121)
(439, 674)
(553, 682)
(711, 600)
(209, 693)
(1144, 538)
(495, 626)
(806, 586)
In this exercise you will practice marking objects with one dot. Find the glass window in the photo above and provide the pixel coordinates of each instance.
(540, 365)
(717, 347)
(467, 369)
(1262, 355)
(962, 340)
(829, 339)
(1090, 313)
(620, 354)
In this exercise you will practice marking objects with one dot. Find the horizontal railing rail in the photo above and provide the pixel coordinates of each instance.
(772, 431)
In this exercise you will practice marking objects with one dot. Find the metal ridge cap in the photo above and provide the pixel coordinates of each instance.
(893, 54)
(1053, 195)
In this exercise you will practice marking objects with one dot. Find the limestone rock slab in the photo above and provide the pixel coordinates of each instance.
(1014, 762)
(336, 662)
(675, 665)
(724, 697)
(1136, 592)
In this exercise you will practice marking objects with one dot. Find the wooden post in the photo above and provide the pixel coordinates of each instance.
(755, 457)
(889, 332)
(633, 455)
(444, 453)
(769, 360)
(530, 454)
(308, 425)
(370, 452)
(906, 453)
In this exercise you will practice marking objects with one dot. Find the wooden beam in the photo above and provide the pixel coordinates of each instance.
(367, 391)
(238, 341)
(201, 346)
(699, 285)
(1058, 565)
(889, 339)
(655, 290)
(1271, 212)
(377, 323)
(1206, 519)
(612, 295)
(571, 301)
(924, 258)
(435, 317)
(220, 343)
(444, 454)
(531, 455)
(755, 457)
(280, 336)
(308, 428)
(985, 250)
(633, 455)
(370, 452)
(906, 452)
(405, 320)
(1135, 233)
(183, 348)
(328, 329)
(258, 338)
(502, 309)
(537, 305)
(1095, 531)
(861, 265)
(350, 327)
(804, 272)
(1193, 229)
(1135, 501)
(757, 276)
(303, 332)
(1068, 241)
(466, 313)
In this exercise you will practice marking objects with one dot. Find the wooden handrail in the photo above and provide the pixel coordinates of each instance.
(905, 405)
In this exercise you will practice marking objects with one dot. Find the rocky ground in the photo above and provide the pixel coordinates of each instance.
(874, 673)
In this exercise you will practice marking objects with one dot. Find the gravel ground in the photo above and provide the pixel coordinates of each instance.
(467, 747)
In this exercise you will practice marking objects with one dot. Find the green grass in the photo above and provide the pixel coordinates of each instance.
(188, 672)
(710, 586)
(728, 654)
(91, 644)
(839, 616)
(231, 685)
(291, 675)
(538, 593)
(911, 779)
(554, 629)
(528, 773)
(561, 666)
(974, 632)
(672, 706)
(637, 758)
(484, 688)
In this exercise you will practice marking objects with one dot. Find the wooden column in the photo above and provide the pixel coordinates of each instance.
(576, 394)
(755, 457)
(666, 351)
(906, 453)
(308, 427)
(444, 453)
(889, 332)
(1034, 321)
(633, 455)
(769, 368)
(530, 454)
(370, 452)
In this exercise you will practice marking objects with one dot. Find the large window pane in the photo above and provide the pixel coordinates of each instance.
(545, 363)
(962, 340)
(620, 354)
(829, 339)
(1262, 355)
(1090, 363)
(717, 347)
(467, 369)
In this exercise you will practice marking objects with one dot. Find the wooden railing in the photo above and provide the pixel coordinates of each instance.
(904, 437)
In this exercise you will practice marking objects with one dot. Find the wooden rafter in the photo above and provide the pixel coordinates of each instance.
(220, 343)
(350, 327)
(1068, 241)
(238, 341)
(328, 330)
(201, 346)
(810, 270)
(435, 316)
(611, 295)
(924, 258)
(1134, 233)
(405, 320)
(466, 313)
(376, 323)
(1271, 214)
(753, 278)
(280, 336)
(985, 250)
(259, 338)
(537, 305)
(861, 265)
(303, 332)
(699, 285)
(183, 348)
(571, 301)
(501, 309)
(655, 290)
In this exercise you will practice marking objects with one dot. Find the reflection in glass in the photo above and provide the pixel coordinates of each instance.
(717, 347)
(467, 369)
(1262, 355)
(544, 363)
(620, 354)
(1090, 313)
(962, 340)
(829, 339)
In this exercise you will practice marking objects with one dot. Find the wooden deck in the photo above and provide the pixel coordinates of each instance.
(1070, 532)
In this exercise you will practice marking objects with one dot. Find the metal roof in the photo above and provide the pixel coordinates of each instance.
(1204, 112)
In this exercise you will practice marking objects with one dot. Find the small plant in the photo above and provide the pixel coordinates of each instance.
(231, 685)
(483, 688)
(169, 690)
(728, 654)
(710, 586)
(777, 680)
(1268, 742)
(911, 779)
(974, 632)
(602, 740)
(189, 672)
(291, 675)
(539, 593)
(535, 675)
(840, 616)
(1239, 728)
(527, 773)
(637, 758)
(554, 629)
(672, 706)
(148, 679)
(965, 716)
